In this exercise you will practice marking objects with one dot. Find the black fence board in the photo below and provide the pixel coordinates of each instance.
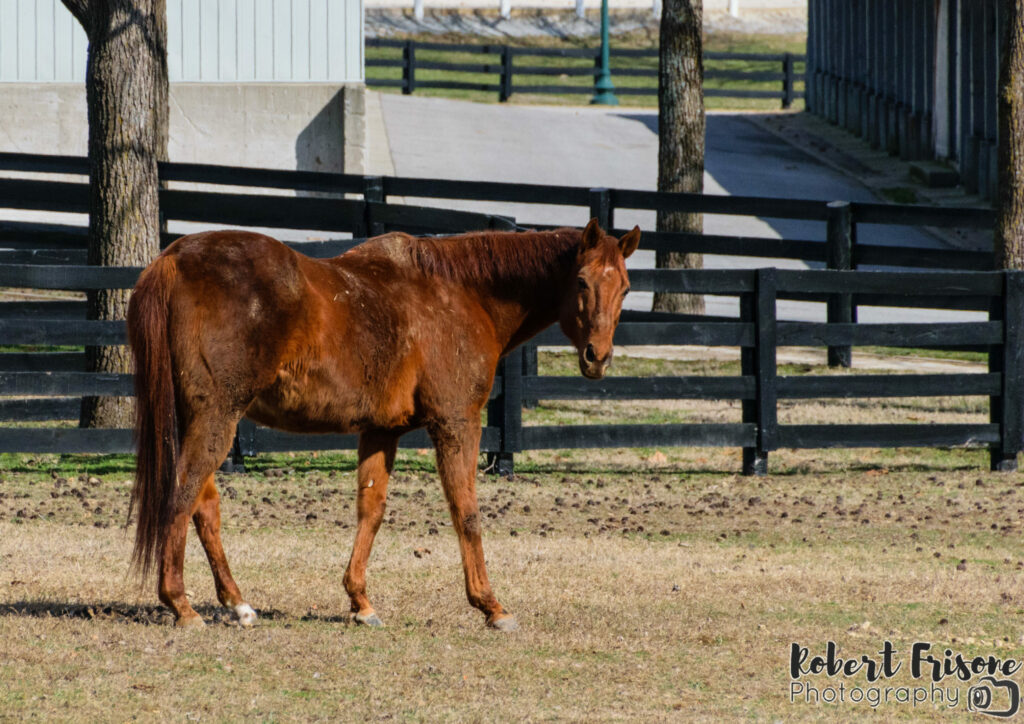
(892, 283)
(65, 440)
(261, 177)
(61, 332)
(43, 310)
(860, 386)
(486, 191)
(886, 436)
(19, 384)
(715, 334)
(547, 70)
(42, 256)
(34, 234)
(255, 210)
(40, 409)
(599, 436)
(730, 245)
(709, 204)
(42, 361)
(265, 439)
(949, 334)
(879, 255)
(44, 195)
(945, 217)
(55, 276)
(639, 388)
(693, 281)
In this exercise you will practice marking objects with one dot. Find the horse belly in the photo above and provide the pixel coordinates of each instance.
(314, 404)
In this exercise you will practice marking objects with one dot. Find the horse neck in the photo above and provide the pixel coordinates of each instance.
(534, 307)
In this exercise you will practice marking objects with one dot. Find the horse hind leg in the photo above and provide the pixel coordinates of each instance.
(204, 446)
(207, 522)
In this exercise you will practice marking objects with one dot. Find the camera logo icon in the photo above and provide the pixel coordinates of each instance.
(986, 697)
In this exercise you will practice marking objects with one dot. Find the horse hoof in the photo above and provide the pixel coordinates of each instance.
(245, 615)
(371, 619)
(193, 621)
(505, 623)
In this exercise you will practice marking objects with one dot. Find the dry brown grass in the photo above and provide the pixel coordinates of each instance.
(658, 594)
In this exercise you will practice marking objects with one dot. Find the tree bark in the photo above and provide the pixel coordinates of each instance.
(1009, 234)
(680, 135)
(127, 97)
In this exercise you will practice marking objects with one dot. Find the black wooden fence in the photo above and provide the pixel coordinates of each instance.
(56, 377)
(516, 70)
(43, 385)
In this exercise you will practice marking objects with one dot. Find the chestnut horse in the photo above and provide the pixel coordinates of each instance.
(396, 334)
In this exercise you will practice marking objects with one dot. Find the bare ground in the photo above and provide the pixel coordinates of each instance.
(657, 594)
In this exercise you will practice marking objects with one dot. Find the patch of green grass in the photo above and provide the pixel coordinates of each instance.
(620, 69)
(954, 354)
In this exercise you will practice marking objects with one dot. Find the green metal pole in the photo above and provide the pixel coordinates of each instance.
(604, 90)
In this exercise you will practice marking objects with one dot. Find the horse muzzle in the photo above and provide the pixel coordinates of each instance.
(592, 365)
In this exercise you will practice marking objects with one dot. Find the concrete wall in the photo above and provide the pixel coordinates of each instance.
(307, 126)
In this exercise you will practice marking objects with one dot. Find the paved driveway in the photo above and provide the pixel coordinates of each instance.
(432, 137)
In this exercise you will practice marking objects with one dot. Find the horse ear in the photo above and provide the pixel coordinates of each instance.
(629, 242)
(591, 236)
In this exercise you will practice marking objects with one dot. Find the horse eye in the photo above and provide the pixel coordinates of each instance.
(582, 283)
(625, 291)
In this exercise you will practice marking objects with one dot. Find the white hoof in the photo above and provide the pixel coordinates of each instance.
(245, 615)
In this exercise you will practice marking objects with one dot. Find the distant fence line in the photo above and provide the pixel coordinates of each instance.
(507, 70)
(41, 385)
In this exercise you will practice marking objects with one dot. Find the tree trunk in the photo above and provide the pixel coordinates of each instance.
(1009, 237)
(680, 135)
(127, 96)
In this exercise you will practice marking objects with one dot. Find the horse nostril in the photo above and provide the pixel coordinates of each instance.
(589, 356)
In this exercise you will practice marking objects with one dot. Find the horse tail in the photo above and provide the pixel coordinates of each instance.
(156, 417)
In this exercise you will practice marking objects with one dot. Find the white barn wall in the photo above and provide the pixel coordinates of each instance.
(211, 41)
(266, 83)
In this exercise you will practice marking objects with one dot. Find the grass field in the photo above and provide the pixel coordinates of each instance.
(651, 585)
(719, 42)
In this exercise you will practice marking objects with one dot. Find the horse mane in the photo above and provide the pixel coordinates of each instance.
(495, 257)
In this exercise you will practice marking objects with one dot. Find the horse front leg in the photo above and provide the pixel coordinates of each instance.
(458, 447)
(376, 459)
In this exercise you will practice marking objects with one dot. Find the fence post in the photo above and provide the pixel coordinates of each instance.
(506, 411)
(409, 69)
(787, 81)
(373, 193)
(759, 361)
(1007, 408)
(235, 462)
(529, 370)
(506, 74)
(601, 208)
(839, 256)
(243, 446)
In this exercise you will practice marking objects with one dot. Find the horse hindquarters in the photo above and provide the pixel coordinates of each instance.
(183, 434)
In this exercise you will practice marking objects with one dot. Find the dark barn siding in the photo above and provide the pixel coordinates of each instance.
(872, 68)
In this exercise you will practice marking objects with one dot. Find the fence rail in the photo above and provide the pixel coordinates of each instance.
(510, 77)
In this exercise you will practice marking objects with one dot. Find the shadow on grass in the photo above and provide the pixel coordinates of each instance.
(147, 615)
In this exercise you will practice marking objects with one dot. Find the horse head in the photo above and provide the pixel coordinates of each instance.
(593, 300)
